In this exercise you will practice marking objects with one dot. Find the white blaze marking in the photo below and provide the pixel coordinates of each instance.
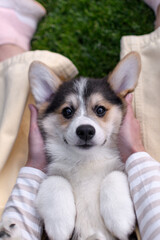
(80, 87)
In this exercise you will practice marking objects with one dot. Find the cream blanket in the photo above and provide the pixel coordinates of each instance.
(147, 94)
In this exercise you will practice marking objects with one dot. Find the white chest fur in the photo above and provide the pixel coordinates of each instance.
(85, 174)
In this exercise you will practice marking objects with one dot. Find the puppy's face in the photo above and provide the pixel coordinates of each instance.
(83, 113)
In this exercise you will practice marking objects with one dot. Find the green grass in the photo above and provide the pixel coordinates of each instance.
(89, 31)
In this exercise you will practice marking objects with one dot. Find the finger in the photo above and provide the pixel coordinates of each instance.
(33, 111)
(138, 123)
(34, 132)
(129, 98)
(33, 119)
(129, 111)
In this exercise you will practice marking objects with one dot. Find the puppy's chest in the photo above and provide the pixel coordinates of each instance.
(86, 175)
(86, 183)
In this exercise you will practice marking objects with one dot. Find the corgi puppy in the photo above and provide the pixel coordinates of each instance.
(86, 194)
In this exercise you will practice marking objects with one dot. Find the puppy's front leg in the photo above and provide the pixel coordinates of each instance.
(116, 206)
(55, 204)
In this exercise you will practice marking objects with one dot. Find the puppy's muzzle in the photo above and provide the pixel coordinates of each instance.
(85, 132)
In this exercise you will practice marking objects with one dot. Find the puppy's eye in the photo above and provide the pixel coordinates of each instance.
(100, 111)
(67, 112)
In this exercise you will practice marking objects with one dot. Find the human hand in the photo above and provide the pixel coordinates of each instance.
(36, 155)
(129, 139)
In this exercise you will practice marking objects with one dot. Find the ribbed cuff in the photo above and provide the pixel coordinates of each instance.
(33, 171)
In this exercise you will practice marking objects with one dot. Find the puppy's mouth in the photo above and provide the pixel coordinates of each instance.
(85, 145)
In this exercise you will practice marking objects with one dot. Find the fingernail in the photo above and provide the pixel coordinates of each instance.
(30, 106)
(129, 97)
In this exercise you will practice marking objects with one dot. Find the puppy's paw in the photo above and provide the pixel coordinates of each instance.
(9, 230)
(58, 231)
(55, 204)
(116, 206)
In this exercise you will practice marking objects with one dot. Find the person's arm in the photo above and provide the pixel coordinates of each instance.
(20, 208)
(143, 176)
(144, 181)
(20, 217)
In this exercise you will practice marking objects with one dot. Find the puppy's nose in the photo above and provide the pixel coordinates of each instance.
(85, 132)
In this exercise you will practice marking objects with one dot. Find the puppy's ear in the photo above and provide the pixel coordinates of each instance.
(124, 77)
(43, 82)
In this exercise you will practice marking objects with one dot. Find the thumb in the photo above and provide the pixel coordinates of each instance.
(129, 98)
(33, 119)
(33, 111)
(129, 112)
